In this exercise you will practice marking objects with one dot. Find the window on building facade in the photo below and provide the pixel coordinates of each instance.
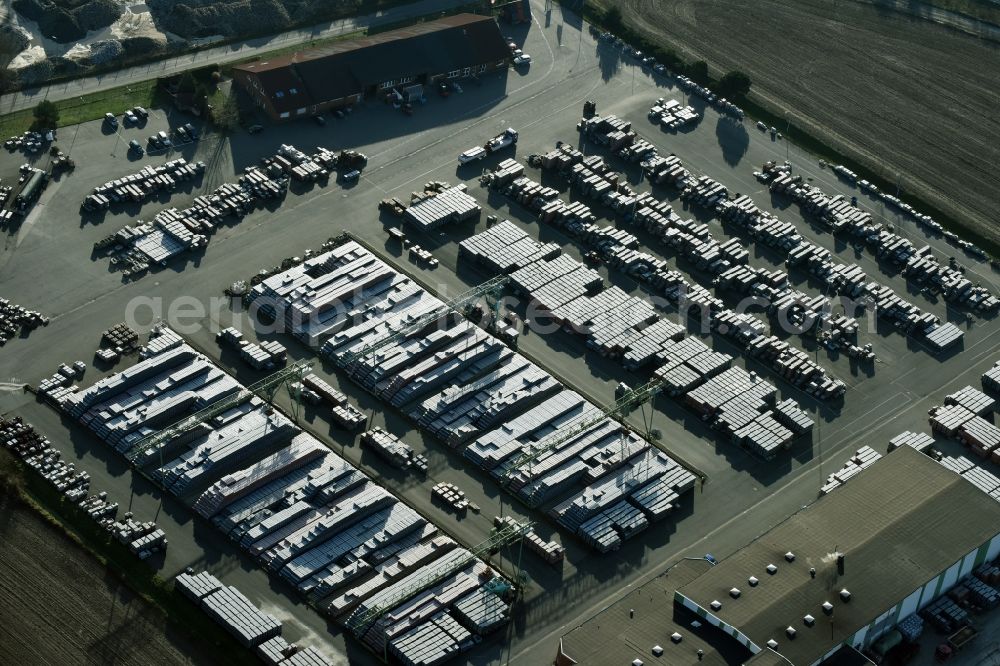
(482, 68)
(284, 115)
(406, 79)
(293, 91)
(301, 111)
(501, 63)
(279, 94)
(466, 71)
(453, 73)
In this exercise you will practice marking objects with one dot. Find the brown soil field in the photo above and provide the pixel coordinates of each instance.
(60, 606)
(906, 98)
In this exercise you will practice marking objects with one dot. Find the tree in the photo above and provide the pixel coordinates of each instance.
(46, 115)
(613, 18)
(227, 115)
(697, 71)
(187, 83)
(734, 85)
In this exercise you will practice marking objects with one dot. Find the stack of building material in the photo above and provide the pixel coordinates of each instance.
(481, 611)
(945, 615)
(274, 651)
(307, 656)
(789, 414)
(550, 551)
(911, 628)
(918, 440)
(505, 247)
(991, 379)
(450, 205)
(197, 586)
(972, 591)
(981, 436)
(948, 420)
(944, 336)
(235, 613)
(974, 400)
(302, 450)
(393, 449)
(861, 459)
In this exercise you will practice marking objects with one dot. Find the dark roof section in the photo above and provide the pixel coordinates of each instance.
(899, 524)
(347, 67)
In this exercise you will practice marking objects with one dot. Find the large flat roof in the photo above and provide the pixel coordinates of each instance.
(612, 636)
(899, 524)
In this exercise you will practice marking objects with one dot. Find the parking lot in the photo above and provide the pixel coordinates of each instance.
(47, 264)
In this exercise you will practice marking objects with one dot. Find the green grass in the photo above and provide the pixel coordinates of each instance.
(27, 486)
(87, 107)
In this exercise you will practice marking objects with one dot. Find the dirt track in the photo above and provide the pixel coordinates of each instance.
(907, 98)
(59, 606)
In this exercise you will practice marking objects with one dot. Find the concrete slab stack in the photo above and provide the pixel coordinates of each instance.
(974, 400)
(449, 205)
(299, 509)
(861, 459)
(918, 440)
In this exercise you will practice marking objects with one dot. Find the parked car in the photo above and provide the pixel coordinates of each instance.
(136, 148)
(351, 176)
(130, 118)
(255, 129)
(140, 112)
(155, 142)
(110, 120)
(523, 59)
(443, 89)
(192, 132)
(320, 120)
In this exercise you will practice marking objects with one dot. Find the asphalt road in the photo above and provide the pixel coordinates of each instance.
(240, 50)
(47, 265)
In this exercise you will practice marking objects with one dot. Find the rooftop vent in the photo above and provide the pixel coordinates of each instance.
(715, 605)
(637, 662)
(827, 608)
(735, 593)
(657, 651)
(845, 596)
(675, 637)
(789, 556)
(753, 581)
(809, 620)
(790, 632)
(773, 644)
(771, 569)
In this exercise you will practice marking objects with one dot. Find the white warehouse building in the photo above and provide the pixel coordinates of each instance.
(826, 583)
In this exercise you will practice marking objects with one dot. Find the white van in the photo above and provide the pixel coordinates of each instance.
(472, 154)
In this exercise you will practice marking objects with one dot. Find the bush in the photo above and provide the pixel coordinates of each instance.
(697, 71)
(46, 115)
(734, 85)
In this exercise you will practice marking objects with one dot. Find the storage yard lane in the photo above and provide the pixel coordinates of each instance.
(50, 268)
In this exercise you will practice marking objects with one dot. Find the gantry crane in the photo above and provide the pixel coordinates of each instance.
(490, 289)
(621, 408)
(265, 389)
(363, 618)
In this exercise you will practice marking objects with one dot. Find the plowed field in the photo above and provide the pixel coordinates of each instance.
(907, 98)
(59, 606)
